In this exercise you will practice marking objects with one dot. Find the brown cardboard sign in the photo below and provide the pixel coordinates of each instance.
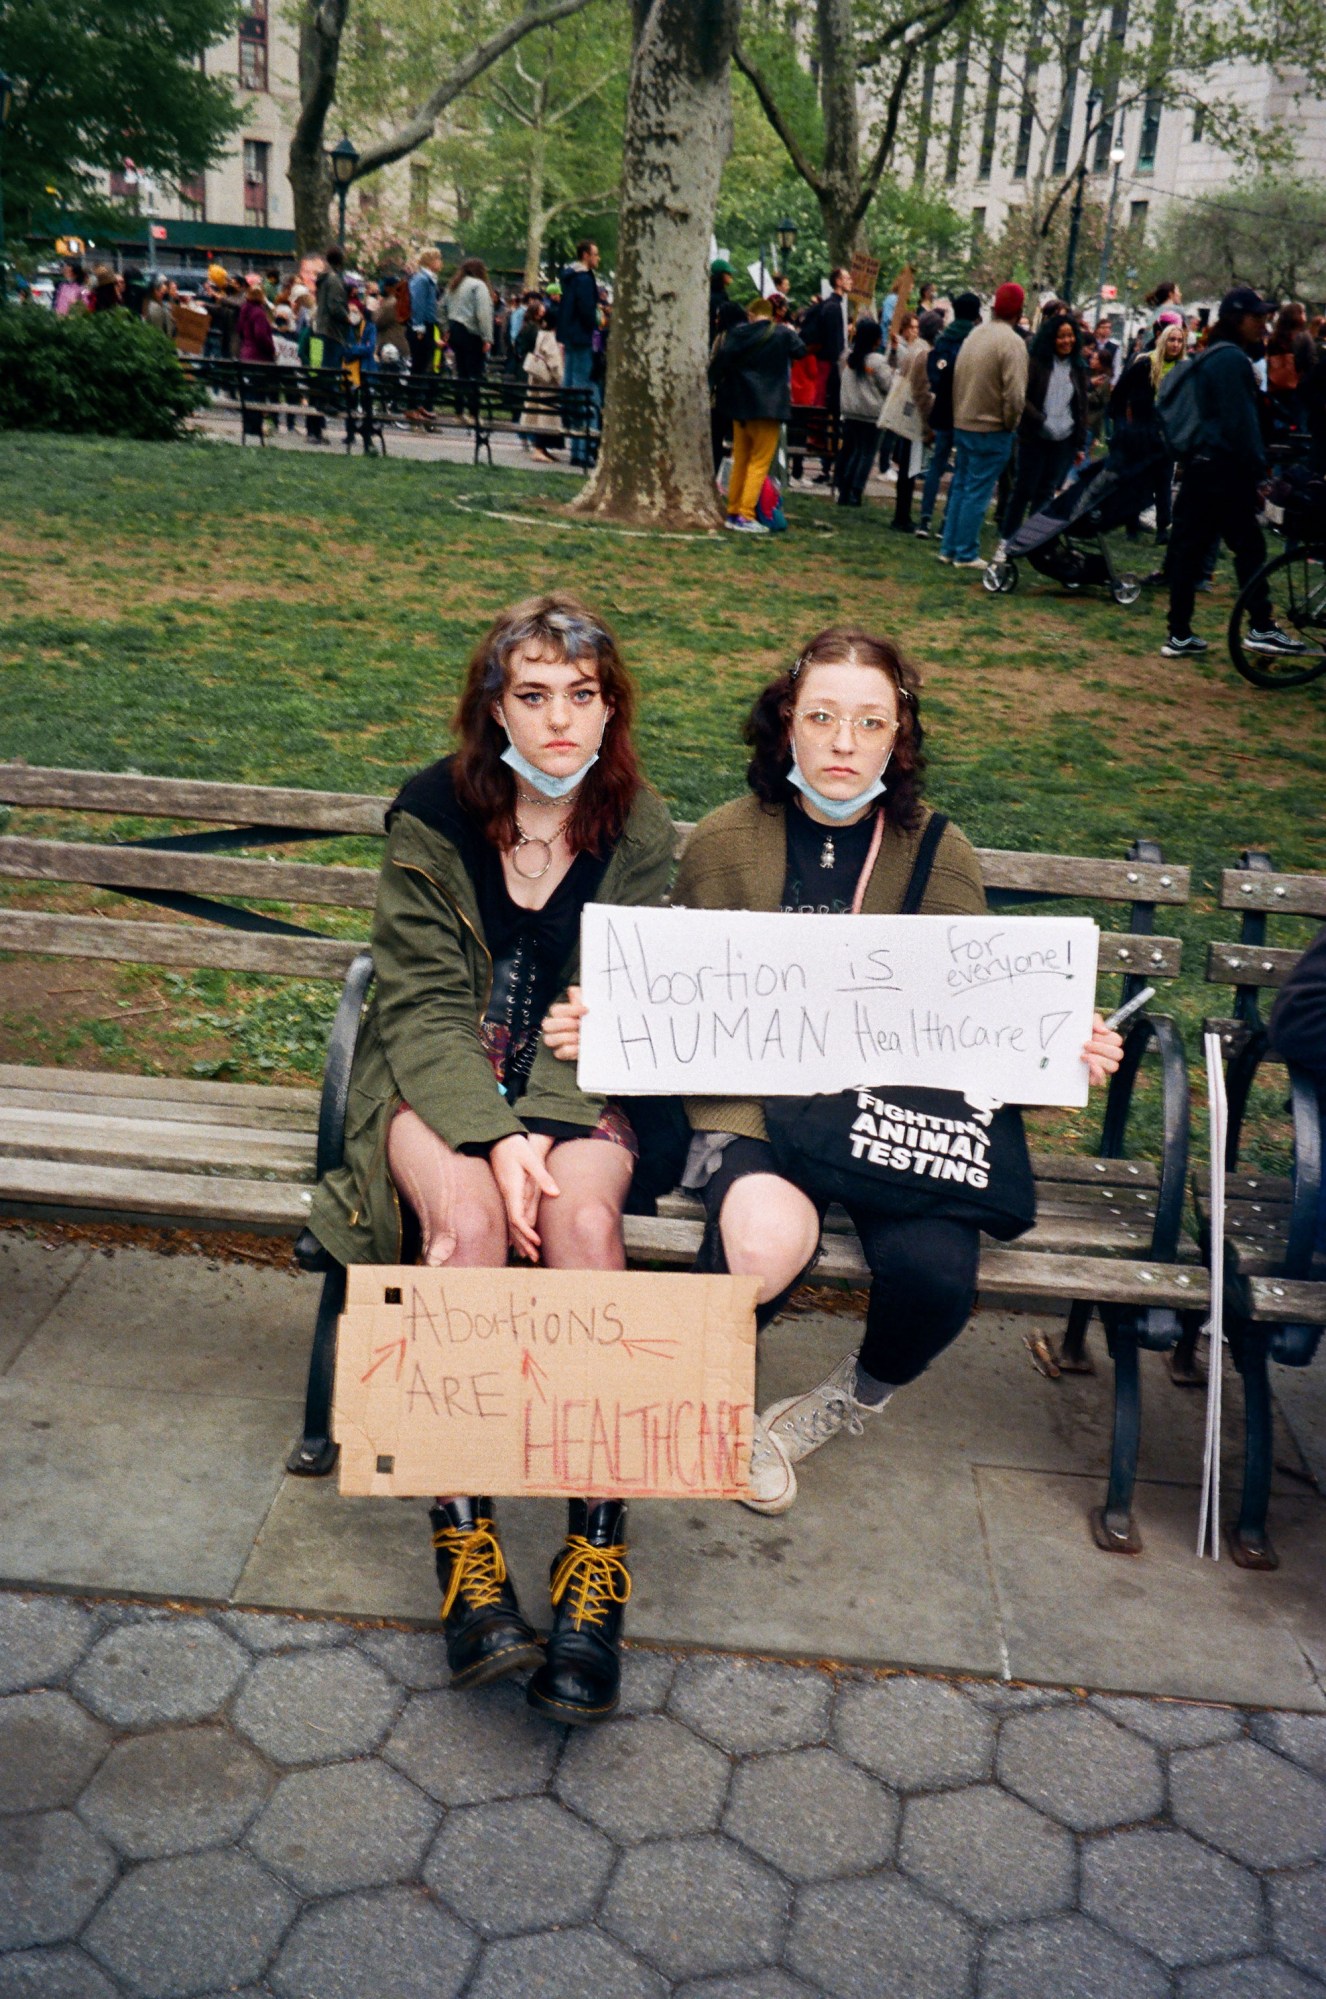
(544, 1382)
(864, 277)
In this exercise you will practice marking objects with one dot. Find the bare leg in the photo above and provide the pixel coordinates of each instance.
(770, 1230)
(582, 1228)
(460, 1211)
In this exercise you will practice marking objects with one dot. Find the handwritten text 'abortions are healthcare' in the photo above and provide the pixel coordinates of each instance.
(739, 1004)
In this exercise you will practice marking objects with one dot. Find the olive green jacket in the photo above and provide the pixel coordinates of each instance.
(418, 1042)
(737, 859)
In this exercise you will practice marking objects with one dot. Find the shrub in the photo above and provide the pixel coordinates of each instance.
(102, 372)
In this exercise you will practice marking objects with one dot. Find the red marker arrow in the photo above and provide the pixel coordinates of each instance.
(531, 1371)
(396, 1347)
(656, 1349)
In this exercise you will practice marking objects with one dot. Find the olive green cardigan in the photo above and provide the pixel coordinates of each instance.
(737, 859)
(418, 1042)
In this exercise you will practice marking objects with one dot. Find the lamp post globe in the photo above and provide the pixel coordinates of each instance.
(343, 158)
(786, 236)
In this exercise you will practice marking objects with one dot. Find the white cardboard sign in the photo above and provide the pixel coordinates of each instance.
(735, 1003)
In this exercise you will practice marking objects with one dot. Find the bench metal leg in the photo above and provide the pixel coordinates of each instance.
(315, 1454)
(1112, 1524)
(1073, 1356)
(1183, 1369)
(1249, 1542)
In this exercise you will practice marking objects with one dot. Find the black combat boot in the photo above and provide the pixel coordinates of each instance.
(486, 1635)
(580, 1678)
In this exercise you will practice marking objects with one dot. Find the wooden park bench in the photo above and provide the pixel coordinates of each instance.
(77, 1144)
(254, 391)
(1275, 1275)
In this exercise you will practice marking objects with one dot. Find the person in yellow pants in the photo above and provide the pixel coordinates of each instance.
(751, 379)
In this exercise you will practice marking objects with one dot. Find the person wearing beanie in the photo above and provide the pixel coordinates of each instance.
(939, 417)
(989, 392)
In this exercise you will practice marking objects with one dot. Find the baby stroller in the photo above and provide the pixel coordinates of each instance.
(1058, 541)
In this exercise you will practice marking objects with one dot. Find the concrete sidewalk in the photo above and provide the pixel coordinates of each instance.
(148, 1403)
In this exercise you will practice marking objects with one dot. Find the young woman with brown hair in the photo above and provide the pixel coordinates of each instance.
(466, 1135)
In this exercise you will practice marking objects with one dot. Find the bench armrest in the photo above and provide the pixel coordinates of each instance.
(1164, 1032)
(340, 1058)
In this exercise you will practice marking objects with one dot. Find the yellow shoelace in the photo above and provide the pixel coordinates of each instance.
(596, 1577)
(477, 1566)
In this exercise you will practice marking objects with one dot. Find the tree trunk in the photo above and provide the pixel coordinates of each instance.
(656, 467)
(839, 191)
(536, 220)
(321, 24)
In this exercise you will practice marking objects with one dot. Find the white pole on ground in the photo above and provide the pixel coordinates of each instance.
(1208, 1521)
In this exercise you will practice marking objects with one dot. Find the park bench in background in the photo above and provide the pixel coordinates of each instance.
(84, 1144)
(1275, 1293)
(495, 406)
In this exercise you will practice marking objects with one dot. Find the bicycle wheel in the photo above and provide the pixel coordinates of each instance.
(1297, 581)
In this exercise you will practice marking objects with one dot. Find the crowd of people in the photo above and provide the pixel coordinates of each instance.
(1014, 411)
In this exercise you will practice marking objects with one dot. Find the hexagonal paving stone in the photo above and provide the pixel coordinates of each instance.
(1250, 1803)
(275, 1631)
(1300, 1737)
(988, 1854)
(465, 1748)
(746, 1705)
(175, 1791)
(53, 1872)
(860, 1939)
(397, 1942)
(918, 1735)
(527, 1864)
(1067, 1957)
(1080, 1768)
(415, 1659)
(577, 1964)
(41, 1639)
(351, 1825)
(48, 1749)
(647, 1677)
(641, 1778)
(997, 1697)
(1172, 1897)
(771, 1983)
(307, 1707)
(191, 1925)
(1297, 1924)
(1171, 1724)
(1249, 1978)
(52, 1974)
(811, 1814)
(144, 1674)
(691, 1906)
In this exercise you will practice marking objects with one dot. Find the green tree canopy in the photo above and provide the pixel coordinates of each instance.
(1269, 232)
(99, 81)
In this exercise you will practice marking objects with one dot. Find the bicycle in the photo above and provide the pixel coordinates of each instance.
(1296, 510)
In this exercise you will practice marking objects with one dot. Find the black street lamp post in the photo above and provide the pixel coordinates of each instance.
(1075, 222)
(343, 158)
(785, 235)
(6, 100)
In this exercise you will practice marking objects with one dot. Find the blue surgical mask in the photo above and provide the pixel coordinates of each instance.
(836, 809)
(547, 786)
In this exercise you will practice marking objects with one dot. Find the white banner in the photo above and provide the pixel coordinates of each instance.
(735, 1003)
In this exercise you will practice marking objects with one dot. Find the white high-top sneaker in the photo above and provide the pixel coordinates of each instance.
(773, 1483)
(801, 1423)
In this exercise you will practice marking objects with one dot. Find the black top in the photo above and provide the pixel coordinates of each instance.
(751, 372)
(824, 864)
(1298, 1018)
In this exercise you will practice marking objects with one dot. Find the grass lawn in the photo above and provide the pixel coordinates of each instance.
(280, 618)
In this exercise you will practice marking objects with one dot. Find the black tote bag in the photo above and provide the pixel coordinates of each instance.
(909, 1151)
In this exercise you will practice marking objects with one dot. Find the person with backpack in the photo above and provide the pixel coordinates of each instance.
(750, 376)
(939, 375)
(1210, 413)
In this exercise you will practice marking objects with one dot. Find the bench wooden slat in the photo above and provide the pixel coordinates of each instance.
(1077, 875)
(128, 1111)
(1290, 895)
(218, 1202)
(188, 945)
(1245, 965)
(195, 874)
(1132, 951)
(1285, 1303)
(249, 1097)
(170, 1145)
(190, 798)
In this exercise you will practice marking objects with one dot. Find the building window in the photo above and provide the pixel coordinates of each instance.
(926, 118)
(1137, 214)
(257, 157)
(193, 199)
(1063, 137)
(954, 157)
(977, 229)
(253, 46)
(990, 126)
(419, 193)
(1150, 139)
(1198, 124)
(122, 188)
(1026, 127)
